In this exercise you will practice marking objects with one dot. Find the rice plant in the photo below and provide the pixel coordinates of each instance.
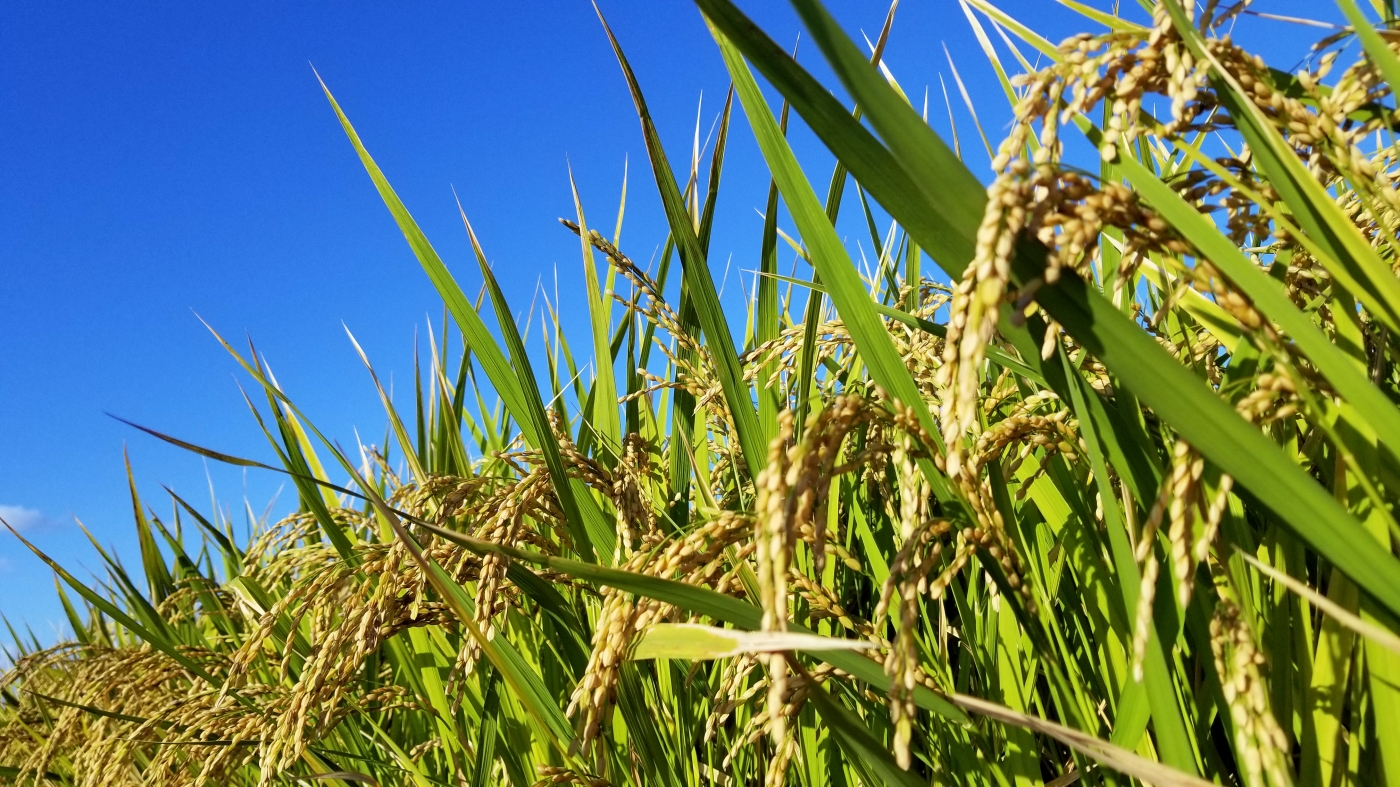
(1090, 479)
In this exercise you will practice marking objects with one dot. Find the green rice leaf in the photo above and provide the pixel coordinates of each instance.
(1269, 296)
(855, 739)
(1213, 427)
(510, 386)
(604, 419)
(838, 273)
(1375, 46)
(874, 167)
(696, 642)
(584, 518)
(753, 442)
(1347, 254)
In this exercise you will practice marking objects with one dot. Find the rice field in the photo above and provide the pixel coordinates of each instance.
(1089, 477)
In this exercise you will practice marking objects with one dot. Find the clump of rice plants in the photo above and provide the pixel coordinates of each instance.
(1109, 499)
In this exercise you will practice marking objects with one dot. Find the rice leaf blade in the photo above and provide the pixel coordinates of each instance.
(695, 267)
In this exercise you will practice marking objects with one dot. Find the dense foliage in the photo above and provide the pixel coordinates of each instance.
(1108, 496)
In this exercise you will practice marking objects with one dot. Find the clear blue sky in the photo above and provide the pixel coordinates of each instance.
(161, 158)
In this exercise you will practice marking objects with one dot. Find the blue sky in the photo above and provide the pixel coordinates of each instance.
(161, 159)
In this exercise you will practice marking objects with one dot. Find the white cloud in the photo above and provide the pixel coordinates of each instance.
(22, 518)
